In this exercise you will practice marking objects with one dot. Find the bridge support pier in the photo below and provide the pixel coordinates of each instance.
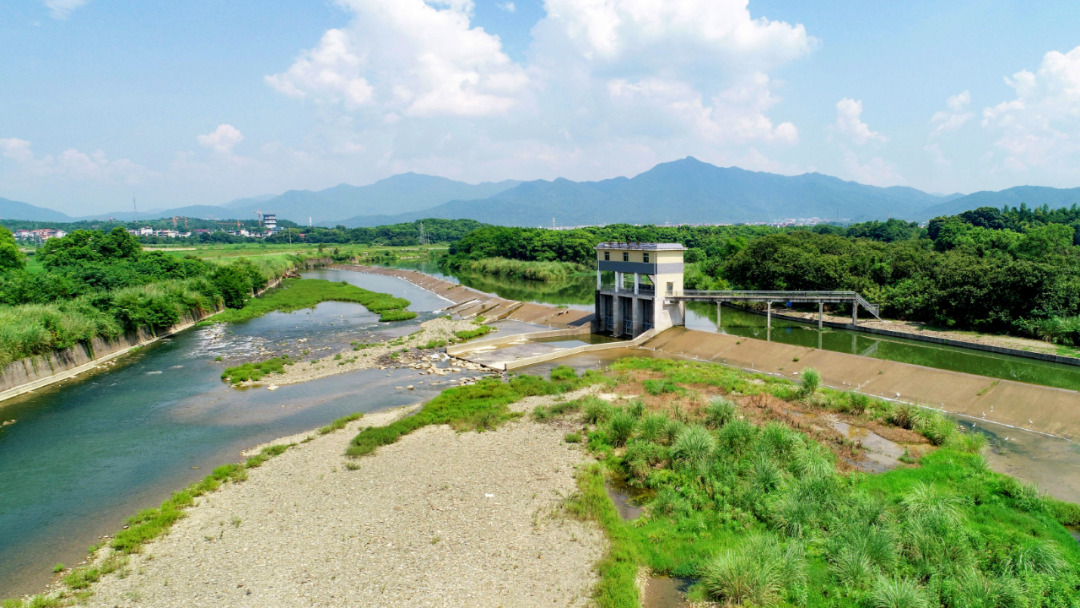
(768, 320)
(719, 317)
(820, 315)
(855, 314)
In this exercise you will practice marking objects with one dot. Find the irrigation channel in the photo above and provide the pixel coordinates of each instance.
(89, 452)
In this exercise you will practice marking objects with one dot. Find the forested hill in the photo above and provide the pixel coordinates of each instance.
(683, 191)
(14, 210)
(1030, 196)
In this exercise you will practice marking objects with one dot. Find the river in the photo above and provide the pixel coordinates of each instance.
(91, 451)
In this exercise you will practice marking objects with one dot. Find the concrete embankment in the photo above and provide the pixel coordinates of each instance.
(1030, 407)
(25, 375)
(470, 303)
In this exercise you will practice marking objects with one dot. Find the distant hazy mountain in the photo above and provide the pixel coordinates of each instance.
(683, 191)
(248, 200)
(1033, 196)
(199, 211)
(14, 210)
(400, 194)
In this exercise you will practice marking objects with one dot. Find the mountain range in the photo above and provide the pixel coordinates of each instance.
(682, 191)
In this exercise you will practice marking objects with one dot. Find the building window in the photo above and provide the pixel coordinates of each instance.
(670, 289)
(625, 256)
(607, 255)
(646, 254)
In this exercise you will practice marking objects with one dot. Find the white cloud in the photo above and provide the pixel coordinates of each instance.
(1041, 127)
(60, 9)
(222, 139)
(849, 122)
(70, 164)
(938, 156)
(953, 118)
(411, 57)
(507, 6)
(877, 171)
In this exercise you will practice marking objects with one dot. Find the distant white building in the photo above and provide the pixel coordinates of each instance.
(270, 221)
(146, 231)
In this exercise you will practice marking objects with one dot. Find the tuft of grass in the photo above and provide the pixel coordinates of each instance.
(469, 334)
(396, 315)
(719, 412)
(563, 373)
(659, 387)
(481, 406)
(621, 427)
(811, 381)
(897, 593)
(254, 371)
(340, 423)
(58, 568)
(597, 411)
(434, 344)
(574, 437)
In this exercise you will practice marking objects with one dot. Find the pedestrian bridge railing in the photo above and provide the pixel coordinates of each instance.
(816, 297)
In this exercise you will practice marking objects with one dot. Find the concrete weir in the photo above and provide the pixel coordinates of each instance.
(1030, 407)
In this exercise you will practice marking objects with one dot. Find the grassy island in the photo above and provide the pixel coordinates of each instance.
(296, 294)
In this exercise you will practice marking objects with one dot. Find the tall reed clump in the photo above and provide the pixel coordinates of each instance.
(518, 269)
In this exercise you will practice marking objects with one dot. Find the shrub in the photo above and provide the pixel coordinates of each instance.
(651, 427)
(636, 408)
(897, 593)
(621, 427)
(596, 409)
(693, 447)
(469, 334)
(811, 381)
(858, 402)
(760, 572)
(719, 412)
(562, 373)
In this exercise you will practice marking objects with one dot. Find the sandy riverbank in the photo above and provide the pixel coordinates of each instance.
(438, 519)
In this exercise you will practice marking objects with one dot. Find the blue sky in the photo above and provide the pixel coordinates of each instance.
(201, 102)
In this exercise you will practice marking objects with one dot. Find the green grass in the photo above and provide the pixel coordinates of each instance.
(469, 334)
(396, 315)
(255, 371)
(761, 515)
(340, 423)
(297, 294)
(479, 407)
(517, 269)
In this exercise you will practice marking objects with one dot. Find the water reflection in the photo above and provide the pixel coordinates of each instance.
(703, 317)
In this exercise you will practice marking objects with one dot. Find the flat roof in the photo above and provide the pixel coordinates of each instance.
(642, 246)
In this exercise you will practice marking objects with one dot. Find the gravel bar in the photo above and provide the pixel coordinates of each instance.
(439, 518)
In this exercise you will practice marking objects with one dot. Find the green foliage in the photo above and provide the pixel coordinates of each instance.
(10, 256)
(597, 411)
(621, 427)
(340, 423)
(297, 294)
(727, 506)
(659, 387)
(518, 269)
(254, 371)
(719, 412)
(811, 381)
(561, 373)
(396, 315)
(469, 334)
(481, 406)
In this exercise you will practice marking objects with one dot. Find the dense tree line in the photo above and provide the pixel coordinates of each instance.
(399, 235)
(98, 284)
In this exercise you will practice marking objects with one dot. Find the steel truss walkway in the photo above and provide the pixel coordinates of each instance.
(800, 297)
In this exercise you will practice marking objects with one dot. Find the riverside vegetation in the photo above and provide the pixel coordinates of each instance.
(759, 513)
(101, 285)
(296, 294)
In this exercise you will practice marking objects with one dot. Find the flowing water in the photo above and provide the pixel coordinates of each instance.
(88, 452)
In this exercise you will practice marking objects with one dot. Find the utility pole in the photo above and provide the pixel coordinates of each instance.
(136, 207)
(552, 223)
(422, 233)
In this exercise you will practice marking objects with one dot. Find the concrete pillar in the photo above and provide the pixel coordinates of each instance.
(637, 283)
(768, 321)
(636, 323)
(598, 279)
(618, 279)
(616, 315)
(820, 315)
(719, 317)
(854, 313)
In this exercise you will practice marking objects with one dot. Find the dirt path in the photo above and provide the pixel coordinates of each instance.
(438, 519)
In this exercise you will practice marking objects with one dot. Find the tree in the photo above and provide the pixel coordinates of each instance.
(234, 284)
(10, 256)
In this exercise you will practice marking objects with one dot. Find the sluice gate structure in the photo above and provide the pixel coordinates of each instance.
(647, 292)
